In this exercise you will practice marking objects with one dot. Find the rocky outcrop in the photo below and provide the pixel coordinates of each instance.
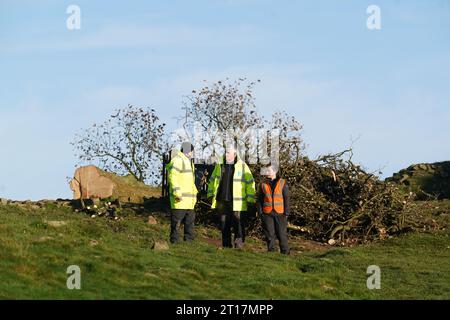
(425, 179)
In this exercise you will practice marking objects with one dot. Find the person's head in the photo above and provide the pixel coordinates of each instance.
(188, 149)
(270, 171)
(230, 154)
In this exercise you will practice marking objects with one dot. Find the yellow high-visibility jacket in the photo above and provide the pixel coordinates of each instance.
(243, 185)
(181, 178)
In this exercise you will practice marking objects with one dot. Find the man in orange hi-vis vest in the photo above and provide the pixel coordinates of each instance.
(273, 207)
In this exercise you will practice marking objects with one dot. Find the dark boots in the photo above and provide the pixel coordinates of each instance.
(232, 222)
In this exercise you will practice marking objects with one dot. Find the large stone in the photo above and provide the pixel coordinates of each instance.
(160, 246)
(56, 223)
(3, 201)
(90, 182)
(44, 238)
(152, 220)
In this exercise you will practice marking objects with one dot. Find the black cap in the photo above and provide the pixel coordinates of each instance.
(187, 147)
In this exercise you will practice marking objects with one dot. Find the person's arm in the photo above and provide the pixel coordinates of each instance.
(250, 185)
(213, 182)
(260, 199)
(174, 178)
(287, 205)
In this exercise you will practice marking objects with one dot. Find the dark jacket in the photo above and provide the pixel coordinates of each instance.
(225, 191)
(272, 183)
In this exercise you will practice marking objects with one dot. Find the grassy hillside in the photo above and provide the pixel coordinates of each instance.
(117, 262)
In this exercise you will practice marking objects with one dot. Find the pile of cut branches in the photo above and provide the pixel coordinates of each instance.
(335, 200)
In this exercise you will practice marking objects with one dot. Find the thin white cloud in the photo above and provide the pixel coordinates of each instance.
(115, 36)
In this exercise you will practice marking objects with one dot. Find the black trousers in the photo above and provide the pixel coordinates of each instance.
(232, 222)
(275, 227)
(178, 217)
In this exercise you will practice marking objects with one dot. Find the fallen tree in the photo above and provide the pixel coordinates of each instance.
(334, 200)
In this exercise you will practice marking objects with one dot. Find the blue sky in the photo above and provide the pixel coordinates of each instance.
(388, 88)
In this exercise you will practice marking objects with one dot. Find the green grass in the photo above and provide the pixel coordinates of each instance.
(34, 257)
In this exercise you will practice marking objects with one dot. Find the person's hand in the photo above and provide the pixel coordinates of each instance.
(251, 210)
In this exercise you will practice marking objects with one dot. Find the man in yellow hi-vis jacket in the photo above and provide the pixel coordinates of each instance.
(183, 193)
(231, 189)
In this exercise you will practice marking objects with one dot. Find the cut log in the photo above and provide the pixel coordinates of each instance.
(90, 182)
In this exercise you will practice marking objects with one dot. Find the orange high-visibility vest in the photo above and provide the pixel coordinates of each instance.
(273, 201)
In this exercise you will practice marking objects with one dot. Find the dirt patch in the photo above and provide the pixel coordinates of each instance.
(303, 245)
(212, 241)
(298, 245)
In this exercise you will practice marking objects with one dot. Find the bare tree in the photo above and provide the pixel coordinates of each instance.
(290, 143)
(220, 109)
(131, 141)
